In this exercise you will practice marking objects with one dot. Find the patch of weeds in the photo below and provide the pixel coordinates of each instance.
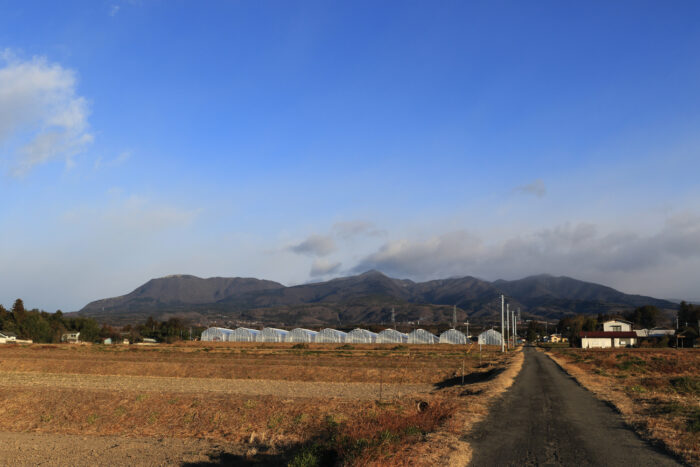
(141, 397)
(46, 418)
(686, 385)
(631, 362)
(312, 455)
(413, 430)
(301, 345)
(636, 389)
(152, 418)
(275, 421)
(173, 401)
(188, 418)
(120, 411)
(250, 404)
(92, 418)
(601, 372)
(399, 347)
(301, 418)
(694, 421)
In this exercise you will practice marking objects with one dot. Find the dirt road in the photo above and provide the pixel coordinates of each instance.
(546, 418)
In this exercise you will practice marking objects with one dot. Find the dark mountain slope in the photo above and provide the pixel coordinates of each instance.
(180, 290)
(367, 297)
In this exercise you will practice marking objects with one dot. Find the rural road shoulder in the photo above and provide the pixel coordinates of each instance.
(546, 418)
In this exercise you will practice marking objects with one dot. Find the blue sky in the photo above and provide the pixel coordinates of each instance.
(299, 141)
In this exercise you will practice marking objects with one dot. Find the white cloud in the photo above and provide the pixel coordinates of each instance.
(579, 250)
(536, 188)
(315, 245)
(322, 267)
(41, 116)
(113, 10)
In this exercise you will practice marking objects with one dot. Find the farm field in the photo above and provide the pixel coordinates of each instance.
(656, 390)
(257, 403)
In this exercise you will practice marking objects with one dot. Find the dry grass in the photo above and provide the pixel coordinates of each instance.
(656, 390)
(94, 390)
(357, 363)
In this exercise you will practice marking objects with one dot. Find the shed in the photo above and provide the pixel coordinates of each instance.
(361, 336)
(392, 336)
(329, 335)
(453, 336)
(302, 335)
(244, 335)
(215, 334)
(421, 336)
(273, 335)
(490, 337)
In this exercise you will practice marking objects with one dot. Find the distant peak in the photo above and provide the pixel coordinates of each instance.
(179, 276)
(372, 272)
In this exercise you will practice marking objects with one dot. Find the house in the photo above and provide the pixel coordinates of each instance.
(615, 333)
(71, 337)
(617, 325)
(557, 338)
(7, 336)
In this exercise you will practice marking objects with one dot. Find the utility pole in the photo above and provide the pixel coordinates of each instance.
(502, 335)
(508, 324)
(515, 329)
(454, 316)
(393, 318)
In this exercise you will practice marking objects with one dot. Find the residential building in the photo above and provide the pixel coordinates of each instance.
(615, 333)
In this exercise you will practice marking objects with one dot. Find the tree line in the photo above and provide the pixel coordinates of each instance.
(44, 327)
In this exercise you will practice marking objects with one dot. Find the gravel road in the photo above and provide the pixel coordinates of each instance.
(546, 418)
(249, 387)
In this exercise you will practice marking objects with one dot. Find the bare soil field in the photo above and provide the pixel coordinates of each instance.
(257, 403)
(656, 390)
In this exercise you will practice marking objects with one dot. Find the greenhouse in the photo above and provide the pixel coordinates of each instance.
(302, 335)
(329, 335)
(361, 336)
(421, 336)
(273, 335)
(216, 334)
(392, 336)
(453, 336)
(244, 335)
(490, 337)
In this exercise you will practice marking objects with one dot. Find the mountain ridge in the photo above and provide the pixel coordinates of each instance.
(363, 298)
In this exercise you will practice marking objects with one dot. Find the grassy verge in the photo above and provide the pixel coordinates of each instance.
(656, 390)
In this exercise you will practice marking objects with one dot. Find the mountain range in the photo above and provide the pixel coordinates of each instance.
(364, 298)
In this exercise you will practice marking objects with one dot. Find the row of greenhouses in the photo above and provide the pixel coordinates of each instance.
(333, 336)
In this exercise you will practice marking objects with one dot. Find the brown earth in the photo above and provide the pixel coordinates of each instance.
(197, 397)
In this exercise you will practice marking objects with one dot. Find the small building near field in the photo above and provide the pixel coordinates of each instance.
(607, 339)
(7, 336)
(661, 332)
(71, 337)
(617, 325)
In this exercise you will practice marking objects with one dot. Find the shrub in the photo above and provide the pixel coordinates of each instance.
(686, 384)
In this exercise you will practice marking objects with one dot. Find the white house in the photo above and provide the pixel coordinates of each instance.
(6, 336)
(71, 337)
(617, 325)
(615, 333)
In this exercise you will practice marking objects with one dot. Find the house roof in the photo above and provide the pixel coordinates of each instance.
(608, 334)
(619, 320)
(8, 334)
